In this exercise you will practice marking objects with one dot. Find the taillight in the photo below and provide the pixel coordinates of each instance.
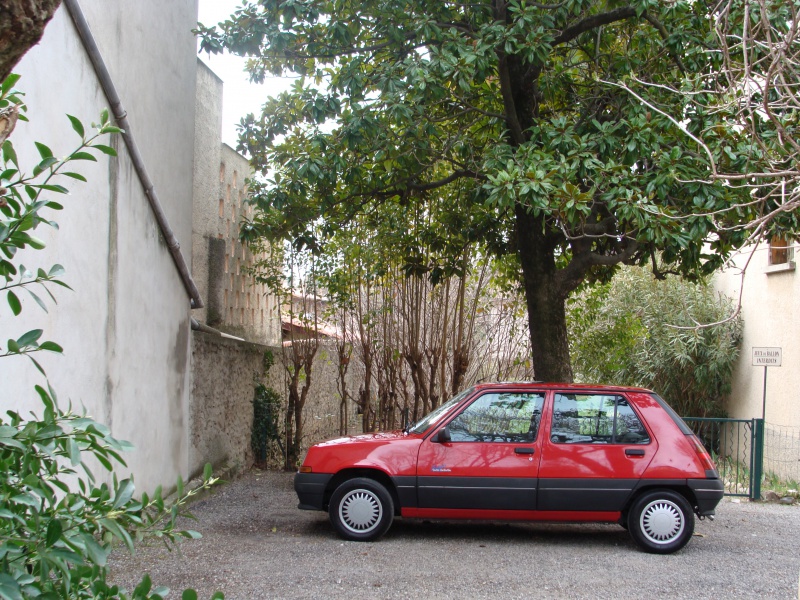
(703, 455)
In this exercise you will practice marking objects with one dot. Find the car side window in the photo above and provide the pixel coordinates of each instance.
(595, 419)
(508, 417)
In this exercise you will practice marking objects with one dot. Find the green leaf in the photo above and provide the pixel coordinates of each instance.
(189, 595)
(60, 189)
(51, 347)
(74, 452)
(9, 588)
(9, 154)
(30, 338)
(105, 149)
(54, 531)
(95, 551)
(9, 82)
(77, 176)
(77, 125)
(144, 586)
(124, 493)
(43, 166)
(44, 151)
(14, 303)
(37, 300)
(37, 365)
(56, 271)
(82, 156)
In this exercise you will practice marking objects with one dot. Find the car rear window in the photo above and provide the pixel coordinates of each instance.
(595, 419)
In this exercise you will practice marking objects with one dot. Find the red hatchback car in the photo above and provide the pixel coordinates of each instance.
(523, 451)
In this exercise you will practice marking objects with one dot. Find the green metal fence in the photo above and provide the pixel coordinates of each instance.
(737, 447)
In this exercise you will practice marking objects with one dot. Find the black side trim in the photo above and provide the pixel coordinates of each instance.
(406, 490)
(310, 488)
(484, 493)
(584, 494)
(708, 492)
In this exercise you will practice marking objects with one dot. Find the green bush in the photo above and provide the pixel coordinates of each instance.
(637, 330)
(265, 437)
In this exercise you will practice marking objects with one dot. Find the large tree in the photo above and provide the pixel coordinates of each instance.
(507, 113)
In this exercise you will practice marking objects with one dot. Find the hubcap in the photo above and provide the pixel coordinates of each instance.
(662, 521)
(360, 511)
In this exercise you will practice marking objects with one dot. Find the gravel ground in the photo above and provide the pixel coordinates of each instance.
(256, 544)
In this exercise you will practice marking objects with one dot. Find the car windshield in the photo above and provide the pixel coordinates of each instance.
(435, 416)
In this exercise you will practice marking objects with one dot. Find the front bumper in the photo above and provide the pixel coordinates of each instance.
(310, 488)
(708, 492)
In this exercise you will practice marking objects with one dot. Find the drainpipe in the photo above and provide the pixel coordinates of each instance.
(121, 118)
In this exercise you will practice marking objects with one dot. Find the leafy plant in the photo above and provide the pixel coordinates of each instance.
(266, 432)
(637, 330)
(57, 523)
(509, 127)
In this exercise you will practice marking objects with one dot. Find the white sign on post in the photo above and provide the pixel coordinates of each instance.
(767, 357)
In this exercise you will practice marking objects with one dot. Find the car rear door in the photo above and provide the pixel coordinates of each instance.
(490, 460)
(595, 452)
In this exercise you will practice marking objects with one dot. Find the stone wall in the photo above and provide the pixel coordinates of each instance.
(221, 414)
(225, 372)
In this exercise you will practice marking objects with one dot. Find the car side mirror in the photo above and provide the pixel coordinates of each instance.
(442, 436)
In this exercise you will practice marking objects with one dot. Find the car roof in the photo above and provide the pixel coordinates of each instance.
(550, 385)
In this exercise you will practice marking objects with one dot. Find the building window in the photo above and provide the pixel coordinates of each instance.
(781, 254)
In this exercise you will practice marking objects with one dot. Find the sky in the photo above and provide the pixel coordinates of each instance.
(240, 97)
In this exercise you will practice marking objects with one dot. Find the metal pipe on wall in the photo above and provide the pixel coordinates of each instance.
(121, 117)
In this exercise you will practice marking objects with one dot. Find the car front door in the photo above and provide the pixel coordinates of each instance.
(486, 458)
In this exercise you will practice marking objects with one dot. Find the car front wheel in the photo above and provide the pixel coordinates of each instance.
(361, 509)
(661, 521)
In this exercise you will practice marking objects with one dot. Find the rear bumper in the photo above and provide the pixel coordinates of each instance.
(708, 492)
(310, 488)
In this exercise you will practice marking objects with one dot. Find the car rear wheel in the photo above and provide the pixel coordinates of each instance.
(361, 509)
(661, 521)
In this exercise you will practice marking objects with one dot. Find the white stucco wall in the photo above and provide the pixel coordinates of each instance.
(771, 312)
(125, 328)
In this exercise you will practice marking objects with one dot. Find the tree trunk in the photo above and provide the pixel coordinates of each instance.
(22, 24)
(546, 298)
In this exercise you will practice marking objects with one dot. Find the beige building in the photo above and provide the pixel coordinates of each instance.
(235, 303)
(770, 300)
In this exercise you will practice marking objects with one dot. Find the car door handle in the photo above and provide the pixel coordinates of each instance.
(634, 452)
(523, 450)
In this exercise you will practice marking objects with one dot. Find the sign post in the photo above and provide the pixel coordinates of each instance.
(766, 357)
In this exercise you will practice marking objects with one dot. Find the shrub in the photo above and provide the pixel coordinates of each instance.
(637, 330)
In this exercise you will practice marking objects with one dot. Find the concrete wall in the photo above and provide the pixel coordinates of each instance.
(235, 302)
(125, 328)
(771, 312)
(225, 372)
